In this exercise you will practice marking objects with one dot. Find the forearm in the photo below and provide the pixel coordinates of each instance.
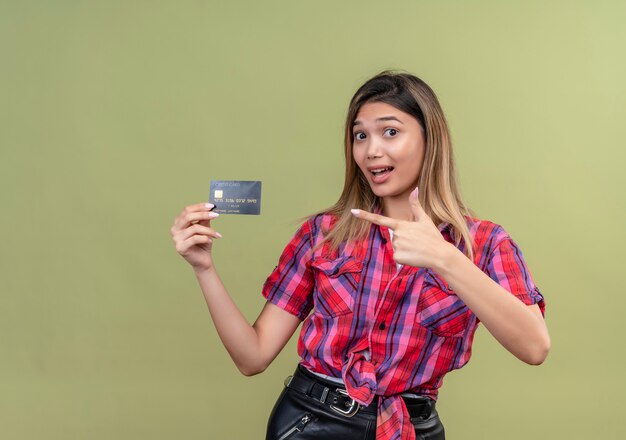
(237, 335)
(518, 328)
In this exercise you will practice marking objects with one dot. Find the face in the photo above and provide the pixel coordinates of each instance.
(388, 146)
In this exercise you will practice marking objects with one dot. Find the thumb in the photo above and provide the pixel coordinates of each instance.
(416, 207)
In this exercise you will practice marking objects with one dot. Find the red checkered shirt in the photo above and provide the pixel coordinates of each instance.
(386, 330)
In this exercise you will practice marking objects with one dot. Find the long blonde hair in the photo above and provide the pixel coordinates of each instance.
(439, 193)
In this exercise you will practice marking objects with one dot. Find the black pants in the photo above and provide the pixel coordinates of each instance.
(299, 416)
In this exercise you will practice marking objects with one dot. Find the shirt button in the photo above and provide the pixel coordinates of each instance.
(382, 326)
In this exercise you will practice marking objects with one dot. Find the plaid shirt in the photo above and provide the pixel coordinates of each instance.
(383, 330)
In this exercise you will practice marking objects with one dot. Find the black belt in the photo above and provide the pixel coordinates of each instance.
(336, 397)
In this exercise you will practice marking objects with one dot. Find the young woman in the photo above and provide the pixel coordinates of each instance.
(397, 275)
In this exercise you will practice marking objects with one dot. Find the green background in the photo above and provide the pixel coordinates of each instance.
(116, 114)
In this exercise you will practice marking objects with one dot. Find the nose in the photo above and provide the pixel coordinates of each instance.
(373, 149)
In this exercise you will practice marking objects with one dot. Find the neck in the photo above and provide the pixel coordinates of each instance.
(397, 207)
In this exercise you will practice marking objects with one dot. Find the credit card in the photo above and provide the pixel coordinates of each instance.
(236, 196)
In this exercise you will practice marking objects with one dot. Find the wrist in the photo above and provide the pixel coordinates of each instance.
(448, 257)
(204, 271)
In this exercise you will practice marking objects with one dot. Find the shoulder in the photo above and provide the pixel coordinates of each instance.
(313, 230)
(319, 224)
(486, 234)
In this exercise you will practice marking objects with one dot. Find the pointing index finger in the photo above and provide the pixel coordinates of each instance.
(380, 220)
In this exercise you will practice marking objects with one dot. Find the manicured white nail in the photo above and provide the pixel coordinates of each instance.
(355, 211)
(209, 205)
(213, 214)
(218, 234)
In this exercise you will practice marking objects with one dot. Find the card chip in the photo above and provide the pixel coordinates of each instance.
(219, 194)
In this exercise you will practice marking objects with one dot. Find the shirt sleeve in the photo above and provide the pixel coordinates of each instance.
(290, 285)
(507, 267)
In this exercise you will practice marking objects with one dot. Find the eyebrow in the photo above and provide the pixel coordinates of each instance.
(384, 118)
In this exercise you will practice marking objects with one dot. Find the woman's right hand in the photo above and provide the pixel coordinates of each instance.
(193, 236)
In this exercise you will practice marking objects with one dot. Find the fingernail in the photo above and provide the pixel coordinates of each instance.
(355, 211)
(213, 214)
(209, 205)
(218, 234)
(414, 194)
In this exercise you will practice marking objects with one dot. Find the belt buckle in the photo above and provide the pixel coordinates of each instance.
(352, 409)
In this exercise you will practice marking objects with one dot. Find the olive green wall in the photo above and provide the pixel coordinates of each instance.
(116, 114)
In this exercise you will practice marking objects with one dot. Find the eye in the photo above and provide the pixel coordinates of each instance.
(359, 136)
(391, 131)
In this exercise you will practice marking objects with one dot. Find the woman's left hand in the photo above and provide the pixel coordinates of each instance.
(418, 242)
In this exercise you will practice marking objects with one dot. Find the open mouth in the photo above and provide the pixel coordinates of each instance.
(379, 175)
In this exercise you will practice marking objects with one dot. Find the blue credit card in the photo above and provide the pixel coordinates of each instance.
(236, 196)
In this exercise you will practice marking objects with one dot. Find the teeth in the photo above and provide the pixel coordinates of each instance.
(380, 170)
